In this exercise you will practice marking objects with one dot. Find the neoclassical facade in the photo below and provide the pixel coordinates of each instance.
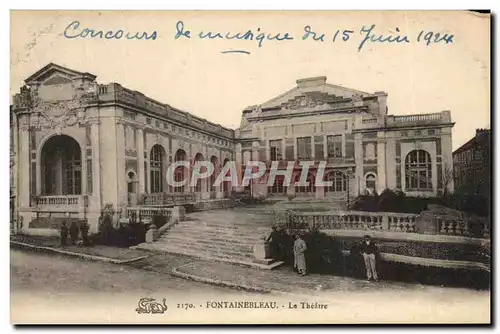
(365, 148)
(79, 146)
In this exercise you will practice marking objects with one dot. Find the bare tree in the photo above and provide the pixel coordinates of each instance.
(447, 178)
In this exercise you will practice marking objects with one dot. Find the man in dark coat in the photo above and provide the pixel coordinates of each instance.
(73, 232)
(85, 233)
(369, 250)
(275, 240)
(64, 234)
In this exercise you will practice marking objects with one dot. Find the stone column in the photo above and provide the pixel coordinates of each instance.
(140, 160)
(238, 160)
(325, 147)
(23, 153)
(446, 155)
(95, 205)
(381, 166)
(358, 158)
(390, 162)
(120, 159)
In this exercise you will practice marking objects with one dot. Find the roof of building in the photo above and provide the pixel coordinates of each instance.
(482, 135)
(50, 68)
(316, 88)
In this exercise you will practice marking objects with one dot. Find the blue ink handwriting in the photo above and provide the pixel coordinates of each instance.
(72, 31)
(367, 36)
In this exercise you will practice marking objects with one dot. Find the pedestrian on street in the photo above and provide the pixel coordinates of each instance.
(369, 250)
(64, 234)
(274, 240)
(85, 233)
(299, 252)
(73, 232)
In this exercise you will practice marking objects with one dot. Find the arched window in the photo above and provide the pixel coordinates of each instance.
(180, 172)
(225, 184)
(215, 163)
(338, 182)
(61, 166)
(156, 169)
(370, 183)
(418, 169)
(199, 184)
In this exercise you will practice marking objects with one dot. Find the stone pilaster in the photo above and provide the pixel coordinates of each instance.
(381, 166)
(358, 158)
(95, 202)
(120, 164)
(140, 160)
(23, 153)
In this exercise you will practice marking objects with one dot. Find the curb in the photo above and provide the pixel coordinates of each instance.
(74, 254)
(178, 273)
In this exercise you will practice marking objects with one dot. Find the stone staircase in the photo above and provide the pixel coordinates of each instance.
(220, 235)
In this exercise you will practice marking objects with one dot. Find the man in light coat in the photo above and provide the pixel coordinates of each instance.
(299, 252)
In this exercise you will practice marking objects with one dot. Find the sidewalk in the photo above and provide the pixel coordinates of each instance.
(96, 252)
(280, 280)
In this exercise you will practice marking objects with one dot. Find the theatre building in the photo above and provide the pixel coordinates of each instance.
(78, 146)
(365, 148)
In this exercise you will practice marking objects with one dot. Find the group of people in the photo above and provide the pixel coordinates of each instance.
(73, 231)
(279, 247)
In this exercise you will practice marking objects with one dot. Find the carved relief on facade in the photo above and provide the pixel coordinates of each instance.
(47, 115)
(303, 103)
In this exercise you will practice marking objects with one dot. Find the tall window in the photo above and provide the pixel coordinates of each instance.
(304, 148)
(73, 174)
(338, 182)
(334, 146)
(275, 148)
(309, 188)
(418, 170)
(278, 186)
(156, 167)
(180, 172)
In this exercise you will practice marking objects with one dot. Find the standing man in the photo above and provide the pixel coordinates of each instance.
(85, 233)
(73, 232)
(299, 252)
(369, 250)
(274, 240)
(64, 234)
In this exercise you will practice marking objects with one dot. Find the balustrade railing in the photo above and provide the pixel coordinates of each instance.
(60, 201)
(417, 118)
(466, 228)
(168, 199)
(382, 221)
(145, 214)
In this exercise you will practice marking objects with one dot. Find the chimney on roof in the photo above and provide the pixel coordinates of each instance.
(311, 82)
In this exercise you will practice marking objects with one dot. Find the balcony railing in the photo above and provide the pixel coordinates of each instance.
(145, 214)
(115, 92)
(60, 202)
(168, 199)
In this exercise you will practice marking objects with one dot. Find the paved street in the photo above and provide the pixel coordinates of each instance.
(54, 289)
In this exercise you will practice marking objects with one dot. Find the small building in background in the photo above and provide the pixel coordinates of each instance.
(472, 164)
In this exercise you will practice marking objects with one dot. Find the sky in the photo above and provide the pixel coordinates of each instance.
(193, 75)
